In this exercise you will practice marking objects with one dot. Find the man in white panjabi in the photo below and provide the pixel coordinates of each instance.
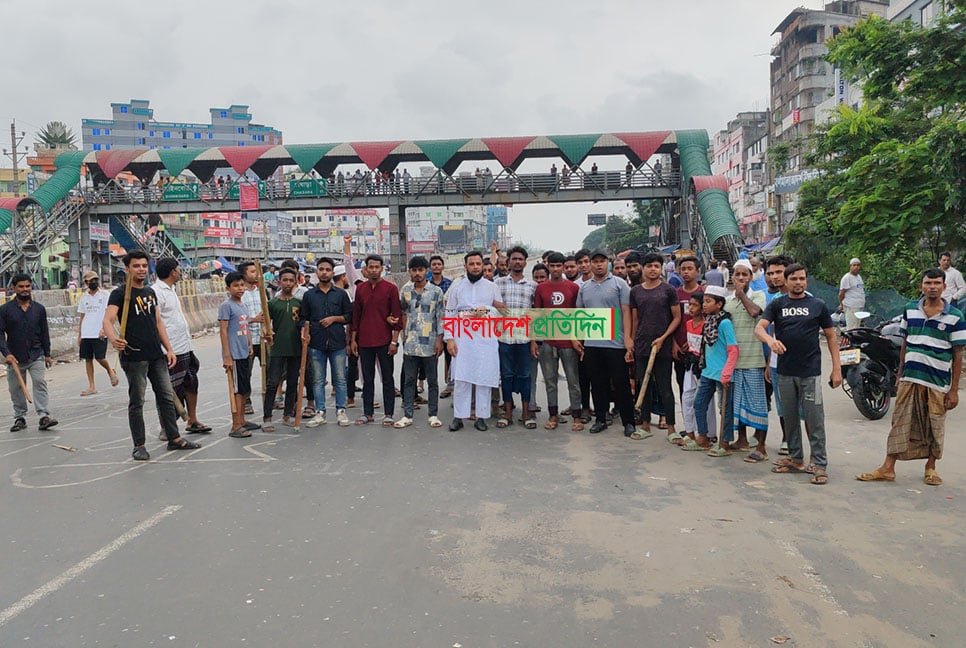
(476, 360)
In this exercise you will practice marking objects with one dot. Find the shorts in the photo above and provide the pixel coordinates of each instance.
(242, 373)
(93, 348)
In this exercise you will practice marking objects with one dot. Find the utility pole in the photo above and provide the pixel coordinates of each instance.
(15, 155)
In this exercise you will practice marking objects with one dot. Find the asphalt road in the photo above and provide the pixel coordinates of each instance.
(364, 536)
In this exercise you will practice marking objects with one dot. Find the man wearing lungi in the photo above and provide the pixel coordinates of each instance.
(931, 362)
(184, 373)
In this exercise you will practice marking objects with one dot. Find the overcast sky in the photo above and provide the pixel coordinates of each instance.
(379, 69)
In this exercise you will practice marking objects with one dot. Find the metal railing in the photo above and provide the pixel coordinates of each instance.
(35, 230)
(372, 184)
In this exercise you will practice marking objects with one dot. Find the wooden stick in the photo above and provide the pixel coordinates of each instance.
(723, 409)
(301, 388)
(126, 308)
(266, 326)
(231, 390)
(15, 367)
(642, 388)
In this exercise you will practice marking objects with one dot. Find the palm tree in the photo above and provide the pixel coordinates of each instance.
(56, 135)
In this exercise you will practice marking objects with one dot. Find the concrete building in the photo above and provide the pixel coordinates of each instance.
(320, 232)
(133, 126)
(730, 150)
(448, 229)
(921, 12)
(801, 81)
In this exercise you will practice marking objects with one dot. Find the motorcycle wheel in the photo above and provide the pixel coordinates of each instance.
(871, 401)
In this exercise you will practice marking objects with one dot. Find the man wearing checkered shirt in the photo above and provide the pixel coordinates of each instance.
(515, 357)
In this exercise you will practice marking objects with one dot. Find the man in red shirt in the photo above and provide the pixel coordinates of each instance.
(558, 292)
(376, 315)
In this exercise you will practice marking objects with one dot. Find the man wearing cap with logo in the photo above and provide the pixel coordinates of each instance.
(852, 293)
(91, 339)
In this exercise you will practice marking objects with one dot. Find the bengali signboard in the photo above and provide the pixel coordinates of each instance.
(100, 232)
(306, 188)
(181, 191)
(791, 183)
(223, 232)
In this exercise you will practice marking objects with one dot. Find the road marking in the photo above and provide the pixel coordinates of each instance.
(101, 554)
(45, 441)
(811, 575)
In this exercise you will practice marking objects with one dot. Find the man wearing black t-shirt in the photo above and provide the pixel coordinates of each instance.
(798, 317)
(142, 357)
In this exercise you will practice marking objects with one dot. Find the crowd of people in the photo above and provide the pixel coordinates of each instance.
(734, 347)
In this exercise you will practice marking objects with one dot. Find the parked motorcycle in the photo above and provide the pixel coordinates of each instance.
(870, 364)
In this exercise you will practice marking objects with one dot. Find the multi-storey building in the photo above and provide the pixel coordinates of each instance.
(801, 81)
(133, 126)
(922, 12)
(450, 229)
(730, 149)
(320, 232)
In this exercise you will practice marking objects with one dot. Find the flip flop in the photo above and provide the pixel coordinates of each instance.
(819, 477)
(875, 475)
(756, 457)
(718, 451)
(551, 423)
(932, 478)
(88, 392)
(788, 469)
(693, 446)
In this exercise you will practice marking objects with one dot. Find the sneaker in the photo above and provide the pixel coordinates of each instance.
(18, 424)
(341, 418)
(480, 425)
(404, 422)
(317, 420)
(140, 454)
(457, 424)
(46, 422)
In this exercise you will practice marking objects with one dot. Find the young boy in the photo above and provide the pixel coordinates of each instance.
(286, 349)
(720, 355)
(236, 351)
(694, 327)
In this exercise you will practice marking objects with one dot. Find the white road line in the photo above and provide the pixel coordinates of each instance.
(101, 554)
(819, 587)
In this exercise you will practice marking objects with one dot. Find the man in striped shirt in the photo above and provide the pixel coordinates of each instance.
(930, 365)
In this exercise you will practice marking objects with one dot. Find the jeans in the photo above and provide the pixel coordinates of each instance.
(660, 383)
(803, 395)
(368, 356)
(336, 360)
(138, 374)
(515, 371)
(412, 367)
(278, 367)
(551, 358)
(689, 411)
(602, 364)
(703, 399)
(38, 382)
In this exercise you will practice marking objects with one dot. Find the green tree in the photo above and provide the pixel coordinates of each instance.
(56, 135)
(893, 188)
(627, 231)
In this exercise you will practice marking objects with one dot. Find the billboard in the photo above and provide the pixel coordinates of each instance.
(596, 219)
(496, 215)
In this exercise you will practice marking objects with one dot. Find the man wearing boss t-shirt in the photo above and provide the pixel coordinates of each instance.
(798, 317)
(558, 292)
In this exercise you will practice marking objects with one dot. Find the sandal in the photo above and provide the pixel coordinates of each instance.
(502, 423)
(719, 451)
(875, 475)
(114, 379)
(197, 428)
(932, 478)
(819, 477)
(756, 457)
(268, 426)
(240, 433)
(551, 423)
(675, 438)
(530, 424)
(88, 392)
(578, 425)
(387, 421)
(364, 420)
(693, 446)
(788, 469)
(637, 436)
